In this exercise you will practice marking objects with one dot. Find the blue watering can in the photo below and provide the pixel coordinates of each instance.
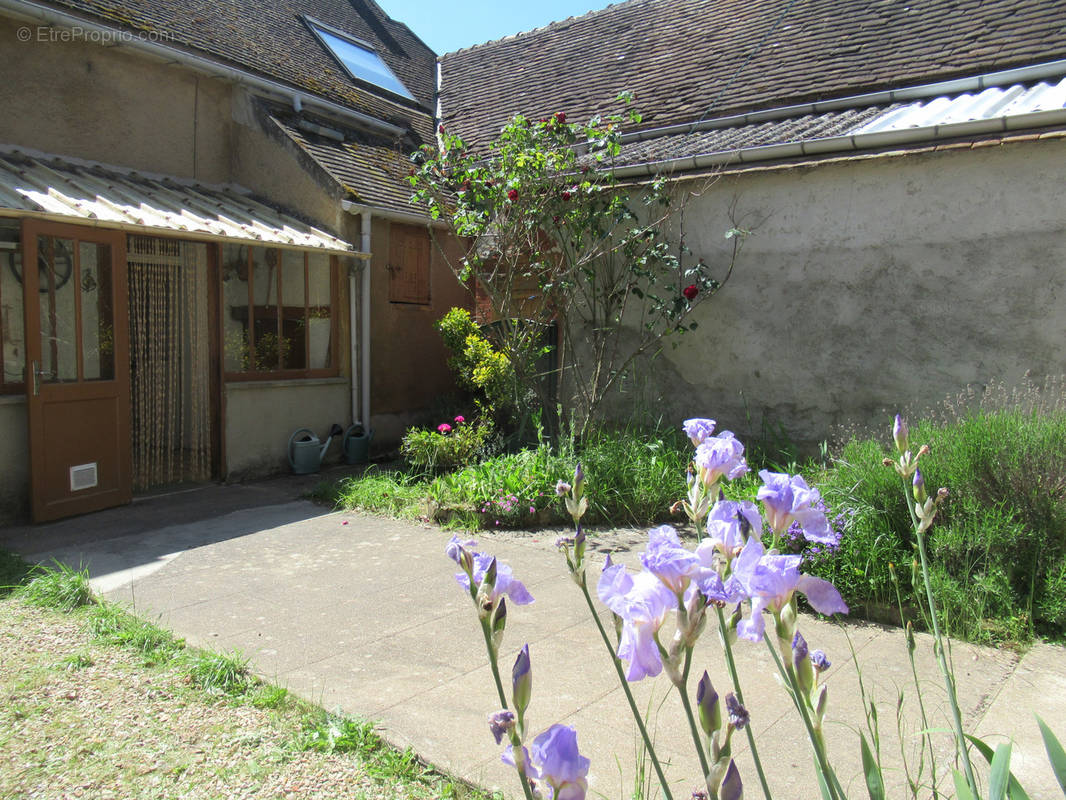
(306, 451)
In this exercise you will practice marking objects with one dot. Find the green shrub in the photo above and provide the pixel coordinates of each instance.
(449, 447)
(477, 364)
(999, 547)
(392, 494)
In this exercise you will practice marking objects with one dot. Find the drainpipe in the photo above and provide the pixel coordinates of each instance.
(365, 218)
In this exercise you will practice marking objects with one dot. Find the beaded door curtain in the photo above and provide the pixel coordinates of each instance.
(169, 362)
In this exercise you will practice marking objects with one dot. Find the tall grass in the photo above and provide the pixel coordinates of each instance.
(999, 547)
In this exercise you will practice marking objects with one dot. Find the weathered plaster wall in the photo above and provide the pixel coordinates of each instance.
(262, 415)
(875, 284)
(14, 455)
(408, 360)
(109, 104)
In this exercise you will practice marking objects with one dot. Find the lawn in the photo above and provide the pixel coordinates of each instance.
(98, 703)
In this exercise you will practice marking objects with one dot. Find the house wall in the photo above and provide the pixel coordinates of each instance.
(408, 360)
(873, 285)
(117, 106)
(14, 455)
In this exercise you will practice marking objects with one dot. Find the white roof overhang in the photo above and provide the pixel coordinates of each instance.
(87, 193)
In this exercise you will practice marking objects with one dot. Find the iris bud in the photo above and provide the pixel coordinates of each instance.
(919, 487)
(732, 788)
(900, 434)
(710, 710)
(522, 681)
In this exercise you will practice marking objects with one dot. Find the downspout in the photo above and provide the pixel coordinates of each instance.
(365, 218)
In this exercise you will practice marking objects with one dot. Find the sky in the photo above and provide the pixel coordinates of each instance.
(447, 25)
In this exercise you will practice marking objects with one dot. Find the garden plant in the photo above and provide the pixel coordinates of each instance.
(738, 578)
(556, 239)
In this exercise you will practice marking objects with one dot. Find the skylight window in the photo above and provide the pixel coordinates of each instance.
(358, 59)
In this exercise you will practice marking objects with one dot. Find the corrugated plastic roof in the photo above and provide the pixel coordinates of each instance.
(36, 184)
(992, 103)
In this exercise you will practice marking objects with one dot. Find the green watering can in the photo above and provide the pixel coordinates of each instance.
(356, 444)
(306, 451)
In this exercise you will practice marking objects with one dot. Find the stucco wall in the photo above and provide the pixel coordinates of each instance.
(874, 284)
(408, 360)
(261, 416)
(14, 455)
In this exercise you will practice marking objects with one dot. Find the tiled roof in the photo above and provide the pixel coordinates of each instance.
(372, 171)
(270, 38)
(690, 59)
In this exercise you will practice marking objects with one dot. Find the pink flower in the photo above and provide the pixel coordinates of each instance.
(444, 429)
(460, 420)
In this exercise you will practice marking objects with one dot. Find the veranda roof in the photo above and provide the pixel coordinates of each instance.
(82, 192)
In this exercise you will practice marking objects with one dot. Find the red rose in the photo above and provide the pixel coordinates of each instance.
(512, 194)
(690, 292)
(440, 129)
(566, 195)
(560, 117)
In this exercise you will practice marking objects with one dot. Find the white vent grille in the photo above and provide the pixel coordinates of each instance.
(82, 476)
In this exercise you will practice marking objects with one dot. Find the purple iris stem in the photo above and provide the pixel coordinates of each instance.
(617, 662)
(945, 671)
(836, 792)
(693, 725)
(735, 677)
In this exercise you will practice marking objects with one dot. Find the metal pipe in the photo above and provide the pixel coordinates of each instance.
(366, 218)
(298, 98)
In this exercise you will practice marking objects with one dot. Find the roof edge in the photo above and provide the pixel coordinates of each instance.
(846, 143)
(975, 83)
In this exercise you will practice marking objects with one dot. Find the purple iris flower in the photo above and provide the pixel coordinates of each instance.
(720, 456)
(642, 602)
(728, 527)
(698, 429)
(668, 560)
(506, 583)
(560, 764)
(501, 723)
(771, 580)
(508, 758)
(456, 545)
(787, 499)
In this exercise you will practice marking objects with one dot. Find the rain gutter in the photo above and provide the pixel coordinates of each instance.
(848, 143)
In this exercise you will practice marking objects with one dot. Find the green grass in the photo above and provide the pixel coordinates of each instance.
(59, 587)
(113, 625)
(13, 572)
(338, 733)
(220, 673)
(391, 494)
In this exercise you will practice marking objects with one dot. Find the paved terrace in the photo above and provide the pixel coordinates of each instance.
(363, 615)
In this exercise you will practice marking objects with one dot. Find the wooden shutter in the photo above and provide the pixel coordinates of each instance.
(408, 264)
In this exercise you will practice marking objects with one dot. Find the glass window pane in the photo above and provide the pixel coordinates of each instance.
(320, 311)
(293, 316)
(268, 347)
(97, 321)
(235, 307)
(363, 63)
(12, 330)
(59, 357)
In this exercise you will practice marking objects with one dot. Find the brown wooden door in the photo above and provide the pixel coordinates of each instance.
(77, 368)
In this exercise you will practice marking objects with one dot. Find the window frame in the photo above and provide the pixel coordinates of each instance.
(305, 373)
(317, 28)
(11, 387)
